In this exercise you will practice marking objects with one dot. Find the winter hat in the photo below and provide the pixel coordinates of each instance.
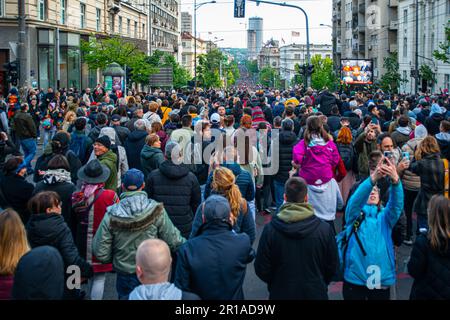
(133, 179)
(104, 140)
(435, 109)
(257, 113)
(420, 132)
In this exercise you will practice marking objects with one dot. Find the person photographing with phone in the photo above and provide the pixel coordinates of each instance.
(368, 254)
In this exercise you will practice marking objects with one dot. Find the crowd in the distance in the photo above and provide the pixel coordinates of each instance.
(164, 188)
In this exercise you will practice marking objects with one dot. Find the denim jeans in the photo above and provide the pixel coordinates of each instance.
(279, 193)
(29, 150)
(48, 135)
(125, 283)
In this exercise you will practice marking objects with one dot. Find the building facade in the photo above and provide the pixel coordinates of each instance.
(186, 22)
(254, 37)
(365, 29)
(54, 31)
(433, 17)
(269, 56)
(187, 56)
(165, 18)
(292, 54)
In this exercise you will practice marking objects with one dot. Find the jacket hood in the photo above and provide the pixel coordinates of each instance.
(287, 137)
(134, 212)
(404, 130)
(159, 291)
(43, 227)
(443, 136)
(320, 188)
(173, 171)
(137, 135)
(234, 167)
(149, 152)
(296, 220)
(437, 116)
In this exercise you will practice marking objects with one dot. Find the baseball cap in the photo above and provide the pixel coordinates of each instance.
(216, 208)
(133, 179)
(116, 117)
(215, 118)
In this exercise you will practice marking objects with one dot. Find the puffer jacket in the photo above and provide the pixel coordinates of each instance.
(127, 224)
(178, 190)
(287, 141)
(375, 235)
(410, 180)
(310, 158)
(430, 270)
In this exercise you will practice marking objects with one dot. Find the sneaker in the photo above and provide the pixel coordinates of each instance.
(408, 242)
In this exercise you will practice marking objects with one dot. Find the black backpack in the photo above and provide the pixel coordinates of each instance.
(347, 154)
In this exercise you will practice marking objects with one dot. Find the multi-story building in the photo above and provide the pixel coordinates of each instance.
(269, 56)
(254, 37)
(54, 31)
(187, 56)
(365, 29)
(292, 54)
(186, 22)
(433, 17)
(165, 25)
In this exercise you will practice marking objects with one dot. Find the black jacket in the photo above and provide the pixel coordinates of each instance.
(64, 190)
(334, 123)
(297, 260)
(422, 116)
(430, 270)
(178, 189)
(51, 230)
(287, 141)
(23, 125)
(326, 101)
(17, 192)
(432, 123)
(6, 147)
(122, 133)
(133, 147)
(213, 264)
(444, 145)
(44, 159)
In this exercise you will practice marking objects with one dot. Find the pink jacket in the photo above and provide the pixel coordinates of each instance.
(317, 163)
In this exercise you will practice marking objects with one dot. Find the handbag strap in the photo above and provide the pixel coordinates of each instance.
(95, 199)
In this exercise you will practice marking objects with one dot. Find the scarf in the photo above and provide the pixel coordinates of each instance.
(56, 176)
(89, 189)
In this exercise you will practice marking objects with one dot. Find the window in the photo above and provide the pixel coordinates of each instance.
(135, 29)
(82, 15)
(46, 60)
(373, 39)
(2, 8)
(448, 6)
(143, 31)
(120, 25)
(63, 11)
(405, 19)
(404, 75)
(432, 42)
(297, 56)
(41, 12)
(111, 23)
(98, 16)
(128, 27)
(405, 47)
(447, 81)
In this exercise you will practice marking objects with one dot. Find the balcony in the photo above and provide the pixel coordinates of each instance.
(393, 47)
(338, 49)
(393, 25)
(362, 8)
(393, 3)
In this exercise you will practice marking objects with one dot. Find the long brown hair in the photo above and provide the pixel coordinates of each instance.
(13, 241)
(224, 183)
(439, 223)
(428, 145)
(314, 125)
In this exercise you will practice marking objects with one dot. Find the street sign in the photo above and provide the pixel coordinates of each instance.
(164, 78)
(239, 8)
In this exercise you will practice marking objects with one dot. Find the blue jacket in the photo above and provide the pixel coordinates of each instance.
(243, 180)
(375, 234)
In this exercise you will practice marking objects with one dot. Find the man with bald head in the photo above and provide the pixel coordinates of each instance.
(153, 262)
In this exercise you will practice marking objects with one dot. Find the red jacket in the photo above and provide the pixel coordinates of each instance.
(6, 284)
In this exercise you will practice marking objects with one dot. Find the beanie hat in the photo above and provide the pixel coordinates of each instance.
(104, 140)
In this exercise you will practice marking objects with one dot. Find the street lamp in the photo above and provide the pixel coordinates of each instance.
(196, 6)
(211, 42)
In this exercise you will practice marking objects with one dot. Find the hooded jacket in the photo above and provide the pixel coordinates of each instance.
(321, 155)
(287, 141)
(151, 159)
(326, 101)
(433, 122)
(297, 254)
(443, 139)
(109, 159)
(401, 136)
(178, 189)
(375, 235)
(51, 230)
(128, 223)
(161, 291)
(325, 199)
(133, 147)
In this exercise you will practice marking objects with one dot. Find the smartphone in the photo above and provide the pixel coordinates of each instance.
(388, 154)
(405, 155)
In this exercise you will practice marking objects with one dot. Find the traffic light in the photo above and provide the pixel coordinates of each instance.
(310, 69)
(12, 72)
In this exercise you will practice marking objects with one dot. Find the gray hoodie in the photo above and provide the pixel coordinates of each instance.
(326, 199)
(158, 291)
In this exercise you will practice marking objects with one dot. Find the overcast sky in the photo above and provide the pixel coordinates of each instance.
(278, 22)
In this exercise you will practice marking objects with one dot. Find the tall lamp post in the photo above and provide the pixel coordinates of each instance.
(333, 43)
(196, 6)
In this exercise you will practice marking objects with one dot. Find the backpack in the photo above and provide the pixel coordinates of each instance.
(78, 146)
(347, 155)
(343, 239)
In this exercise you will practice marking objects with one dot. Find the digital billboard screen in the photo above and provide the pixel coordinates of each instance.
(356, 71)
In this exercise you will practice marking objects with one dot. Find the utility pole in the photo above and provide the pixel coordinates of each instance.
(21, 47)
(416, 73)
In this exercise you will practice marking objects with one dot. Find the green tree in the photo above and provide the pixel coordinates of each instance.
(99, 53)
(391, 79)
(443, 54)
(427, 74)
(269, 77)
(323, 75)
(209, 67)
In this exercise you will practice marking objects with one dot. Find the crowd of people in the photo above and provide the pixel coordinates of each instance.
(163, 189)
